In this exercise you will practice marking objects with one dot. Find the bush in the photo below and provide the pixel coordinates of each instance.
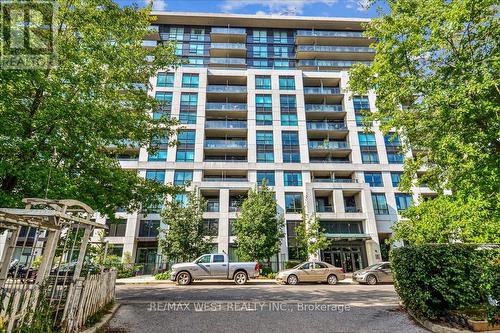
(291, 264)
(433, 279)
(163, 276)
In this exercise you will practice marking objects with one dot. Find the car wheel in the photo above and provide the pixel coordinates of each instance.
(371, 280)
(240, 278)
(292, 279)
(183, 278)
(332, 279)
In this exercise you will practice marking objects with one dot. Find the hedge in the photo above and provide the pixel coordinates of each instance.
(433, 279)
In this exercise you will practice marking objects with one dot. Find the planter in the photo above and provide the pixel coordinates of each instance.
(482, 326)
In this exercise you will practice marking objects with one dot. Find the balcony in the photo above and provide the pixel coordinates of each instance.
(225, 158)
(322, 91)
(318, 64)
(328, 145)
(225, 107)
(334, 180)
(352, 209)
(224, 179)
(332, 37)
(328, 159)
(329, 33)
(228, 50)
(334, 52)
(226, 124)
(228, 35)
(227, 62)
(226, 89)
(326, 126)
(324, 108)
(228, 31)
(225, 144)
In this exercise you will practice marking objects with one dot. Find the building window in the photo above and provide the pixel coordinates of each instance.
(156, 175)
(116, 250)
(263, 82)
(210, 227)
(288, 107)
(259, 51)
(190, 80)
(393, 148)
(116, 228)
(149, 228)
(212, 204)
(287, 83)
(361, 106)
(293, 202)
(257, 63)
(396, 178)
(265, 147)
(196, 49)
(179, 49)
(197, 34)
(185, 148)
(379, 204)
(189, 104)
(267, 176)
(176, 33)
(165, 104)
(183, 177)
(403, 201)
(281, 52)
(195, 62)
(342, 227)
(280, 37)
(291, 233)
(291, 149)
(292, 178)
(160, 144)
(264, 109)
(374, 179)
(259, 36)
(368, 147)
(165, 80)
(281, 64)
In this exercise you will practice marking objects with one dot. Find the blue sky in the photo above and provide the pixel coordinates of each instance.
(334, 8)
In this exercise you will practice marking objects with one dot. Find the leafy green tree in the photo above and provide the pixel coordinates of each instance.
(185, 239)
(57, 124)
(436, 75)
(310, 237)
(258, 228)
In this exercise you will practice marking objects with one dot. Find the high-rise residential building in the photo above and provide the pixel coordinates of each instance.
(263, 97)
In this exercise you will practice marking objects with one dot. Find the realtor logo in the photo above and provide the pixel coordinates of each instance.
(28, 34)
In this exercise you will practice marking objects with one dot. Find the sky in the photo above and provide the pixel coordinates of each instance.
(333, 8)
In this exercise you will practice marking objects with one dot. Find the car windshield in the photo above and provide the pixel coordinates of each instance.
(372, 266)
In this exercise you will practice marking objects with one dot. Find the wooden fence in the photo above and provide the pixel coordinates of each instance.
(86, 298)
(17, 305)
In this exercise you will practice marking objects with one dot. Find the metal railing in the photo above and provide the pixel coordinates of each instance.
(228, 31)
(230, 124)
(330, 63)
(326, 33)
(324, 108)
(241, 144)
(226, 89)
(225, 106)
(328, 145)
(228, 61)
(326, 125)
(229, 46)
(322, 90)
(334, 180)
(331, 48)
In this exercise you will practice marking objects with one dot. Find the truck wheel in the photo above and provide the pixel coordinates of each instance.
(183, 278)
(240, 278)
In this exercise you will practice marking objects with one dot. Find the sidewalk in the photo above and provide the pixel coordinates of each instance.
(149, 279)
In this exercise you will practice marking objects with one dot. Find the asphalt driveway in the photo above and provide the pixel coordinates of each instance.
(259, 307)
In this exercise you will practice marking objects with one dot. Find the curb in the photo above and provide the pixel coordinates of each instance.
(441, 329)
(104, 320)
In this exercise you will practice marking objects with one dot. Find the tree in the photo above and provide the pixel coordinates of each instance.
(59, 123)
(310, 237)
(436, 75)
(185, 239)
(258, 228)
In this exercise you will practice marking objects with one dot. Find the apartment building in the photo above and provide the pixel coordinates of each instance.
(264, 97)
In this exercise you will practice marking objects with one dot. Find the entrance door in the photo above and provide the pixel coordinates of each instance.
(347, 260)
(146, 257)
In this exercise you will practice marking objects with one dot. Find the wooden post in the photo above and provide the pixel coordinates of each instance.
(48, 255)
(83, 249)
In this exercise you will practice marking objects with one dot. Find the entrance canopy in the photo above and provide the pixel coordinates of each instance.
(348, 237)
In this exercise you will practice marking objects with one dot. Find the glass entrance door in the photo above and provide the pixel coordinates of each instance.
(146, 257)
(348, 257)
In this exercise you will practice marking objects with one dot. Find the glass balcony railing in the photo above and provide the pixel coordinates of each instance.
(226, 106)
(324, 208)
(330, 63)
(228, 46)
(328, 160)
(352, 209)
(228, 61)
(221, 179)
(322, 91)
(324, 108)
(328, 145)
(326, 126)
(226, 89)
(331, 48)
(229, 31)
(229, 124)
(334, 180)
(326, 33)
(227, 144)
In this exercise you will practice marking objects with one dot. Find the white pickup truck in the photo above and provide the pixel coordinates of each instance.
(214, 266)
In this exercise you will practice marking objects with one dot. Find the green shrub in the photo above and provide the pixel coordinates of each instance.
(433, 279)
(271, 275)
(163, 276)
(291, 264)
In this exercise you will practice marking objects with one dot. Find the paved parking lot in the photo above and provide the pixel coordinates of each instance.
(211, 306)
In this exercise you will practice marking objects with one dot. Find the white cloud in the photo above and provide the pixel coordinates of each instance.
(286, 7)
(361, 5)
(157, 4)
